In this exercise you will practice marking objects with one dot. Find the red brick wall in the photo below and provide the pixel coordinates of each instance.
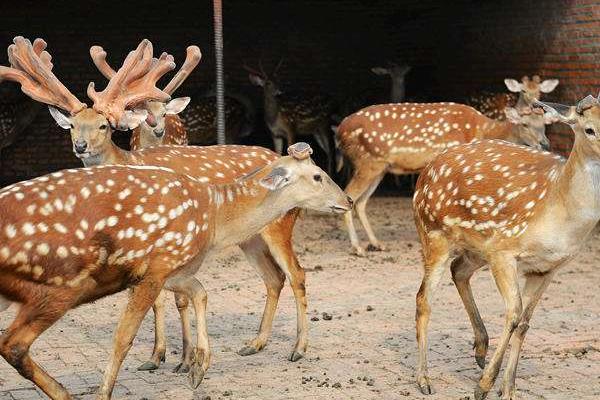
(455, 48)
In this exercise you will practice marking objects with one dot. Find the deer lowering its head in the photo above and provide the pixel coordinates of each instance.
(522, 95)
(518, 209)
(162, 125)
(397, 74)
(75, 236)
(291, 116)
(403, 138)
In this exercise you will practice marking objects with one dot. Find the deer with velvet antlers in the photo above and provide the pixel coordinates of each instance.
(75, 236)
(271, 251)
(162, 125)
(520, 210)
(403, 138)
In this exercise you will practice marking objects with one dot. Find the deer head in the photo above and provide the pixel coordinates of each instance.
(298, 180)
(113, 108)
(583, 118)
(530, 126)
(531, 89)
(395, 71)
(152, 129)
(262, 79)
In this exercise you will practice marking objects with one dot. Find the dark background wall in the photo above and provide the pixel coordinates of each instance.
(455, 48)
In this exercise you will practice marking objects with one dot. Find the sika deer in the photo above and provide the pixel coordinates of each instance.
(397, 74)
(162, 125)
(517, 209)
(291, 116)
(72, 237)
(271, 252)
(523, 95)
(403, 138)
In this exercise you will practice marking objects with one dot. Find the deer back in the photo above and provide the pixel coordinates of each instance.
(407, 135)
(485, 189)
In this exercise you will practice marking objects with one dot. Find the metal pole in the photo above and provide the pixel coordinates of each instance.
(218, 30)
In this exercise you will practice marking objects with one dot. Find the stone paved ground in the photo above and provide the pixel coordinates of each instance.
(561, 357)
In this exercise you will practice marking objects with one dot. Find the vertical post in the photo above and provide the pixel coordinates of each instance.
(218, 30)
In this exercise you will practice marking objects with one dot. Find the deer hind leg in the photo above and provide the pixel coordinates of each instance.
(462, 270)
(535, 285)
(365, 179)
(160, 340)
(504, 270)
(258, 255)
(436, 259)
(31, 321)
(279, 240)
(141, 298)
(182, 302)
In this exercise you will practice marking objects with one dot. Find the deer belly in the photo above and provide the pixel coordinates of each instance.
(543, 261)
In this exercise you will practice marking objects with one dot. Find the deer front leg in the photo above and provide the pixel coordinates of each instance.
(504, 270)
(278, 144)
(535, 285)
(462, 271)
(160, 340)
(322, 138)
(363, 179)
(258, 255)
(436, 261)
(279, 240)
(141, 298)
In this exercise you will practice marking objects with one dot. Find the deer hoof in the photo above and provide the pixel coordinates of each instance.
(479, 394)
(358, 252)
(375, 247)
(196, 374)
(425, 386)
(247, 351)
(480, 361)
(148, 366)
(295, 356)
(182, 368)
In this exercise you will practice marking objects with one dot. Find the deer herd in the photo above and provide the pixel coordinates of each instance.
(489, 193)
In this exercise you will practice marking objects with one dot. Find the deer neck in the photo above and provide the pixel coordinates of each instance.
(398, 90)
(577, 189)
(243, 209)
(271, 105)
(109, 154)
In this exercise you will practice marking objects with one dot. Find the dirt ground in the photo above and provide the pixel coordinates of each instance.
(358, 354)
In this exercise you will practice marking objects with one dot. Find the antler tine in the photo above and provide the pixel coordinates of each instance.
(262, 69)
(39, 48)
(32, 69)
(192, 59)
(251, 70)
(99, 57)
(134, 83)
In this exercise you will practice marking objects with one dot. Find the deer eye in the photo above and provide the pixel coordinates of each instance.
(102, 127)
(590, 131)
(317, 178)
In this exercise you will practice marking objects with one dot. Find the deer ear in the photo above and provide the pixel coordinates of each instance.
(177, 105)
(548, 85)
(256, 80)
(513, 85)
(380, 71)
(133, 118)
(278, 178)
(61, 119)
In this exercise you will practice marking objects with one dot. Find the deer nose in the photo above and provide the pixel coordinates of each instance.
(159, 133)
(80, 147)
